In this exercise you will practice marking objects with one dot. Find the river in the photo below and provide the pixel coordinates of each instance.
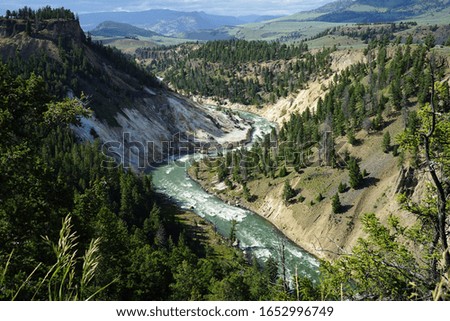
(256, 235)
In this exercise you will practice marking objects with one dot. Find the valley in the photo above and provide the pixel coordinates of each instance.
(325, 130)
(323, 214)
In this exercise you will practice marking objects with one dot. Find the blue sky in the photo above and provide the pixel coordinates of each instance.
(222, 7)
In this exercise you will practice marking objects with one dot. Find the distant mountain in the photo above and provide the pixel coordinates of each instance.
(335, 6)
(367, 11)
(307, 24)
(208, 35)
(118, 29)
(168, 22)
(256, 18)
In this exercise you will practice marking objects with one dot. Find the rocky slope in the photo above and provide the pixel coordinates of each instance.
(283, 109)
(140, 117)
(311, 223)
(309, 220)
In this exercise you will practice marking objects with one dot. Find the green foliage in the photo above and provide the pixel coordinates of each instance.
(336, 205)
(247, 72)
(386, 144)
(232, 236)
(355, 100)
(394, 262)
(60, 279)
(442, 290)
(47, 173)
(246, 193)
(68, 111)
(288, 191)
(283, 172)
(430, 41)
(71, 71)
(342, 187)
(45, 13)
(397, 262)
(351, 137)
(354, 172)
(222, 173)
(380, 267)
(418, 125)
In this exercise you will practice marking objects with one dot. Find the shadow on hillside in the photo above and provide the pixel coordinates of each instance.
(369, 181)
(345, 208)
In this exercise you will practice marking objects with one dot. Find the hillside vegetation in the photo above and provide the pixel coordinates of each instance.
(329, 165)
(363, 11)
(122, 94)
(132, 243)
(304, 25)
(116, 29)
(356, 171)
(253, 72)
(73, 228)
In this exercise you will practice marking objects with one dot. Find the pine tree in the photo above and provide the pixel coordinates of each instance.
(430, 42)
(246, 193)
(386, 142)
(336, 204)
(222, 173)
(355, 175)
(283, 172)
(232, 236)
(342, 187)
(288, 191)
(396, 93)
(351, 136)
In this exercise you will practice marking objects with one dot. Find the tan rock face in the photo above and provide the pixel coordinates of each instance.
(311, 223)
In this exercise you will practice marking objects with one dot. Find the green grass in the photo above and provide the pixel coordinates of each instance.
(366, 8)
(275, 29)
(126, 44)
(439, 18)
(339, 41)
(301, 22)
(307, 15)
(61, 282)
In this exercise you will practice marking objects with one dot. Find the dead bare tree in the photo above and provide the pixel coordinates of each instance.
(440, 224)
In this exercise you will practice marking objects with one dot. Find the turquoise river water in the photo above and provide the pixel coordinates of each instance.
(256, 236)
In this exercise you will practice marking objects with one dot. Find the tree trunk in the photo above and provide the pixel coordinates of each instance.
(442, 197)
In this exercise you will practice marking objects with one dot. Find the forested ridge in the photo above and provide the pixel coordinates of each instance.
(247, 72)
(359, 98)
(69, 61)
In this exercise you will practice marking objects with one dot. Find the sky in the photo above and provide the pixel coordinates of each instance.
(221, 7)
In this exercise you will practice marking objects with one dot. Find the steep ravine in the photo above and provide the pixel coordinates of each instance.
(254, 234)
(138, 117)
(282, 110)
(148, 132)
(314, 227)
(311, 224)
